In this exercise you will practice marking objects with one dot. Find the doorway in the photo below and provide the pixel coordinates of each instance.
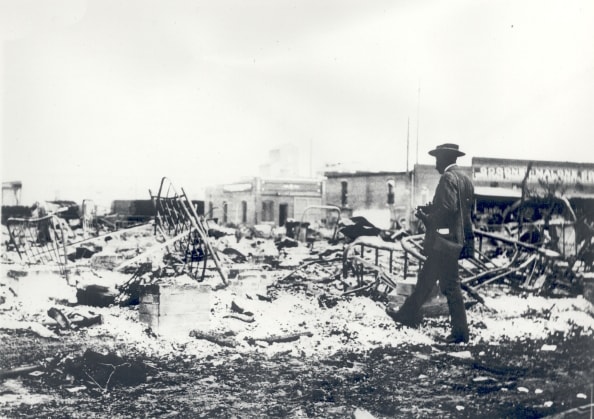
(283, 211)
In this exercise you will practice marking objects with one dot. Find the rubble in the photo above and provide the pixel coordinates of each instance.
(96, 295)
(187, 234)
(279, 339)
(105, 370)
(213, 338)
(14, 372)
(58, 316)
(367, 266)
(40, 240)
(165, 296)
(75, 318)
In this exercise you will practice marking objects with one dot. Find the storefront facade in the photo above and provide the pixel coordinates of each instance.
(380, 196)
(497, 182)
(258, 200)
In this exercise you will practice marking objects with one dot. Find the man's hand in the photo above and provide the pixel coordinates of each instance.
(421, 215)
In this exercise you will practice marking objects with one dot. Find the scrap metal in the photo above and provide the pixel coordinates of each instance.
(46, 241)
(530, 267)
(382, 275)
(184, 231)
(40, 240)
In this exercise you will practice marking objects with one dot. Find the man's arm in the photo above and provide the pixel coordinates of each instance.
(445, 202)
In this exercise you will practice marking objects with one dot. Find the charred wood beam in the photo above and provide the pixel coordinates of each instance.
(279, 338)
(218, 340)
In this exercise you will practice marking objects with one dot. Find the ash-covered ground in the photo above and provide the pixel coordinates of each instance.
(281, 341)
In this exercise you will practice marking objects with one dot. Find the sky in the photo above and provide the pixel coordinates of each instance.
(102, 98)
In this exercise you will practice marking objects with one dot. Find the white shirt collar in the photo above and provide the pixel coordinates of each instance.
(451, 165)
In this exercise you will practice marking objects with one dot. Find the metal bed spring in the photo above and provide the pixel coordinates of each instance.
(39, 240)
(176, 219)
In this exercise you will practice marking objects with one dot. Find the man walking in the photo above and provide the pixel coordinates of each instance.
(449, 216)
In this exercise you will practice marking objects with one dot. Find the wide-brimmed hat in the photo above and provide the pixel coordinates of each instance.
(447, 148)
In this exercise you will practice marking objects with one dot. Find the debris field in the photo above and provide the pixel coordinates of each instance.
(182, 317)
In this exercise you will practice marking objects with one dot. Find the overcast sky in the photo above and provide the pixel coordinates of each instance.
(100, 99)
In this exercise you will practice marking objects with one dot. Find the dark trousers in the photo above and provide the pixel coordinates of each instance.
(446, 270)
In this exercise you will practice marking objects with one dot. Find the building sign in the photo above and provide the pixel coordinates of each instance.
(514, 171)
(291, 188)
(238, 187)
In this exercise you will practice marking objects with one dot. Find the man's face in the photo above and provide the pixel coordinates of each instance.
(441, 162)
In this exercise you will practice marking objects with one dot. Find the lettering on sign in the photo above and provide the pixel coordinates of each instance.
(291, 187)
(238, 187)
(516, 174)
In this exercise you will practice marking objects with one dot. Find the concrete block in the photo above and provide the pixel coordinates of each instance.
(149, 298)
(150, 320)
(176, 309)
(186, 300)
(149, 308)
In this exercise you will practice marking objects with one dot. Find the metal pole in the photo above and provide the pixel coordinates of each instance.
(418, 113)
(407, 141)
(204, 235)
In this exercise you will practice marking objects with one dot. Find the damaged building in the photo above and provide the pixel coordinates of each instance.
(284, 189)
(504, 177)
(391, 197)
(263, 200)
(382, 196)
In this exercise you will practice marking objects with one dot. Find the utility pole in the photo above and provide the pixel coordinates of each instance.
(407, 141)
(418, 117)
(412, 174)
(311, 157)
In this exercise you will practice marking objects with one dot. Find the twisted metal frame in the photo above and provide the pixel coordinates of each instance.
(39, 240)
(527, 263)
(187, 233)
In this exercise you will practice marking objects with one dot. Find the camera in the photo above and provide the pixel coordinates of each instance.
(425, 208)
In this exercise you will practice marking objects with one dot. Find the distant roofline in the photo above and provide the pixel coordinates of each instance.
(11, 185)
(291, 179)
(338, 173)
(254, 179)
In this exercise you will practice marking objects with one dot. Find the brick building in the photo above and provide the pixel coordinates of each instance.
(259, 200)
(382, 196)
(385, 197)
(497, 183)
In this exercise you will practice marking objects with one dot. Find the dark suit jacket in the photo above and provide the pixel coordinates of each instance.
(445, 210)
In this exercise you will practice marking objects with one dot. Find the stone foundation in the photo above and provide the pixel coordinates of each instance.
(172, 309)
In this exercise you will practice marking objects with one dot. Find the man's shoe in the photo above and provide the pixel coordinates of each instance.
(406, 321)
(451, 339)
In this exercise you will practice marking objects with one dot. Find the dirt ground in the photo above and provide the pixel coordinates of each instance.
(510, 379)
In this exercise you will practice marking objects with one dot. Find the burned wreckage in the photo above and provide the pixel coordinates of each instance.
(185, 276)
(537, 245)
